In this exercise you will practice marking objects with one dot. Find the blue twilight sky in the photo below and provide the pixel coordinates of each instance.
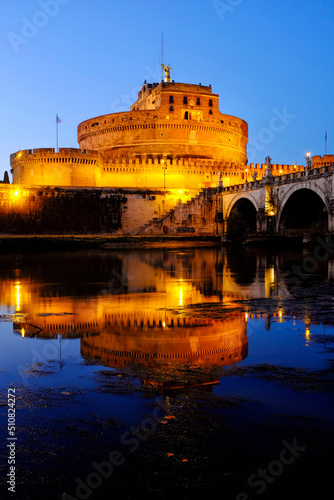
(271, 61)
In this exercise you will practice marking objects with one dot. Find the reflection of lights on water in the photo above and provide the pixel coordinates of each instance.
(180, 293)
(164, 324)
(269, 280)
(280, 314)
(23, 332)
(307, 333)
(246, 316)
(18, 297)
(181, 298)
(272, 275)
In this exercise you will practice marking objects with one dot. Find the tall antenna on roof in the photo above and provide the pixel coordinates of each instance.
(162, 55)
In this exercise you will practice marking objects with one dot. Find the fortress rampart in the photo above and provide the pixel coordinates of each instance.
(72, 167)
(322, 161)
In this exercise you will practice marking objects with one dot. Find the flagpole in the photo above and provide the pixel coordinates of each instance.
(162, 55)
(57, 133)
(325, 143)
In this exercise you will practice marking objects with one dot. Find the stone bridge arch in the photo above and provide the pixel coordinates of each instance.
(300, 207)
(247, 206)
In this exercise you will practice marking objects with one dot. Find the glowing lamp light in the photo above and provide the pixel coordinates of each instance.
(308, 154)
(180, 192)
(16, 193)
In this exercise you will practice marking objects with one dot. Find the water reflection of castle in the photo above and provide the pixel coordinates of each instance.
(131, 306)
(126, 339)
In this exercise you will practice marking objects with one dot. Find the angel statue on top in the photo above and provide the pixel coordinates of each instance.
(167, 69)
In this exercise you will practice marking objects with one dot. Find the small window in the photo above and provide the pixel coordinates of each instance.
(198, 101)
(210, 102)
(171, 99)
(185, 100)
(186, 115)
(171, 108)
(210, 112)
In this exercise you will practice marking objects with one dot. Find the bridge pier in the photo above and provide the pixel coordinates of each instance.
(261, 223)
(331, 216)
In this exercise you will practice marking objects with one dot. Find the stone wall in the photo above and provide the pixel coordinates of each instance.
(72, 167)
(56, 211)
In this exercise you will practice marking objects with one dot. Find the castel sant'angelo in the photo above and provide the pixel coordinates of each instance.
(153, 169)
(174, 136)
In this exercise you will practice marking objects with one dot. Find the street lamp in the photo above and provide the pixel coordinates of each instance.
(164, 167)
(308, 160)
(180, 193)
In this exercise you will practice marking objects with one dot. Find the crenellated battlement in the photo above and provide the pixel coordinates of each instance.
(76, 167)
(51, 153)
(322, 161)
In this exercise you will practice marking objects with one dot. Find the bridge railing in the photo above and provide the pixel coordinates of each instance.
(314, 172)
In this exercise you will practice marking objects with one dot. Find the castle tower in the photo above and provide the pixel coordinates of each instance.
(172, 120)
(173, 137)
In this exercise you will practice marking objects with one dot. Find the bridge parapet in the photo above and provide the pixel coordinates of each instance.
(313, 173)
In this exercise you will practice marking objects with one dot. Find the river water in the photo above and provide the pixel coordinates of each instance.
(146, 373)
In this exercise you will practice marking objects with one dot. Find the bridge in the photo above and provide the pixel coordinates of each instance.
(291, 204)
(284, 205)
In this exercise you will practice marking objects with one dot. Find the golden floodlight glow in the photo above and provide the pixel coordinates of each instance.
(23, 333)
(246, 316)
(180, 191)
(16, 193)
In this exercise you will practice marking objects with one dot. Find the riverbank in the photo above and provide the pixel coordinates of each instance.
(46, 243)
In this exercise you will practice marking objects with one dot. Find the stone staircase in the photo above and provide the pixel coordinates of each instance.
(157, 221)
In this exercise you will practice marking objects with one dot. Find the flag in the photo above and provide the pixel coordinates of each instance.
(58, 120)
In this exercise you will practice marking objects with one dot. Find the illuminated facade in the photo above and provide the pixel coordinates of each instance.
(174, 137)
